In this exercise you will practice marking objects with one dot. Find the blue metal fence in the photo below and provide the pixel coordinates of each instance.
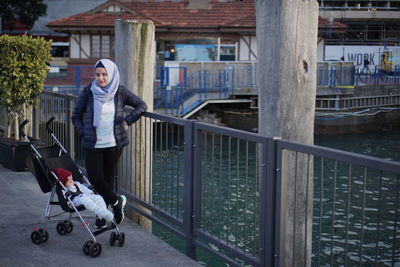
(377, 76)
(331, 77)
(199, 85)
(177, 92)
(174, 91)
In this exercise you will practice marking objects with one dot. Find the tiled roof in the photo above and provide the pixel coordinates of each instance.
(170, 14)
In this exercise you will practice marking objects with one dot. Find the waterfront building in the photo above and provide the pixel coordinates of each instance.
(55, 10)
(373, 32)
(186, 30)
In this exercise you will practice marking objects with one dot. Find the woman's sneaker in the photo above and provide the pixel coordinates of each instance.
(100, 223)
(119, 209)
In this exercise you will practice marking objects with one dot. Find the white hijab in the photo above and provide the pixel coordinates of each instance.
(105, 94)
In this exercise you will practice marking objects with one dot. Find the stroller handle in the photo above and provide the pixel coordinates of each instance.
(48, 123)
(21, 128)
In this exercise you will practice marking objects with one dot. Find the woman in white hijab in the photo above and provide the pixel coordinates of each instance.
(100, 119)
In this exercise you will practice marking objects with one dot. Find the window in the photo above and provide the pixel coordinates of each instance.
(105, 46)
(102, 46)
(60, 49)
(227, 52)
(112, 8)
(95, 46)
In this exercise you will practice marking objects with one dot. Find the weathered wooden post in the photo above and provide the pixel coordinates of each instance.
(134, 56)
(287, 48)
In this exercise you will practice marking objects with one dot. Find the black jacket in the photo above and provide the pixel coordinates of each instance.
(82, 116)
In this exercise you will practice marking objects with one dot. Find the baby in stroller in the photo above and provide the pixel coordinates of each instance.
(82, 195)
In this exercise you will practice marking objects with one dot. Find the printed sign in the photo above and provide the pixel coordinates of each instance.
(384, 58)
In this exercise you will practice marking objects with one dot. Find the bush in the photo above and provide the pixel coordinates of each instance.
(23, 69)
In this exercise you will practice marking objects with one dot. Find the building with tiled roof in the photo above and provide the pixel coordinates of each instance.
(186, 30)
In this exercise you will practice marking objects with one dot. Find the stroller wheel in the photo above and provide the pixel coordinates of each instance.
(45, 234)
(69, 226)
(86, 247)
(121, 239)
(113, 238)
(36, 237)
(95, 250)
(61, 228)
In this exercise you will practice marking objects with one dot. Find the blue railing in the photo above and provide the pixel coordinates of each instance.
(377, 76)
(73, 77)
(199, 85)
(334, 78)
(178, 93)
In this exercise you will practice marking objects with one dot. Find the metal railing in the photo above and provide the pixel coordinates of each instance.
(199, 86)
(377, 76)
(333, 77)
(204, 190)
(68, 79)
(367, 5)
(355, 206)
(221, 191)
(224, 191)
(191, 91)
(351, 103)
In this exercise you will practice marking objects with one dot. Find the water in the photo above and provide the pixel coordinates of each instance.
(338, 239)
(363, 227)
(385, 145)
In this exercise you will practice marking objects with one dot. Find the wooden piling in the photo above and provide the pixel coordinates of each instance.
(134, 56)
(287, 59)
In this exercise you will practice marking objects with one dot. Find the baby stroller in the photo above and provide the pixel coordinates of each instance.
(41, 163)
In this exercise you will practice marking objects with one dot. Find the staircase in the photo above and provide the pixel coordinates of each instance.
(193, 91)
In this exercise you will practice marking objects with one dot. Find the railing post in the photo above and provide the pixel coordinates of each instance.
(188, 188)
(177, 98)
(226, 82)
(36, 118)
(182, 99)
(200, 82)
(162, 76)
(334, 78)
(184, 76)
(219, 84)
(167, 76)
(356, 77)
(78, 77)
(376, 76)
(171, 101)
(233, 80)
(205, 83)
(269, 204)
(70, 128)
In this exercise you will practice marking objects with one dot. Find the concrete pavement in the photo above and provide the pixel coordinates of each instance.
(22, 206)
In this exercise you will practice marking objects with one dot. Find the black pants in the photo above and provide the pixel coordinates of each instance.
(101, 166)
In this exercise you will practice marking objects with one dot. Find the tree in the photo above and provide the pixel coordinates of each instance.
(26, 11)
(23, 69)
